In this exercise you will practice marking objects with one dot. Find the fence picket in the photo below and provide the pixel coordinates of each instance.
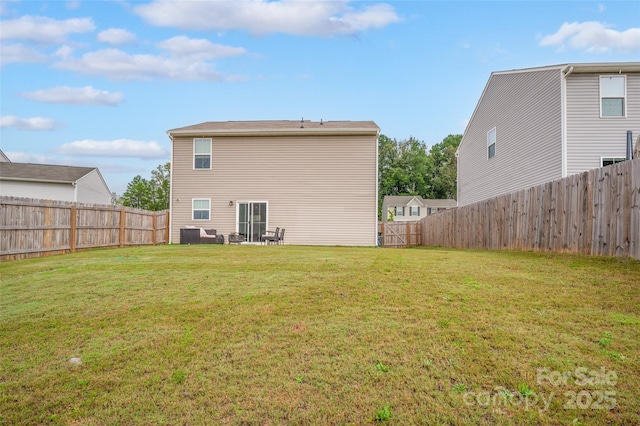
(596, 212)
(33, 228)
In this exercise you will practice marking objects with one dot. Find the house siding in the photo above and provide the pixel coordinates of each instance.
(526, 110)
(590, 137)
(40, 190)
(92, 189)
(321, 189)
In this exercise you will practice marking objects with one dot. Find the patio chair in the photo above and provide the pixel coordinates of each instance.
(270, 237)
(281, 237)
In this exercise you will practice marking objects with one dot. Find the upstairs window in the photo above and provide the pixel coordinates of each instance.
(202, 153)
(491, 143)
(612, 95)
(414, 211)
(399, 210)
(201, 209)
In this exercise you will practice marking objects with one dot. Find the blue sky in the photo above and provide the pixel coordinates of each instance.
(98, 83)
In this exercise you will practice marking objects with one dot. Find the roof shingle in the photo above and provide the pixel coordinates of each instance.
(42, 172)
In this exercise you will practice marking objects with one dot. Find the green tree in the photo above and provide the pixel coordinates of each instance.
(408, 168)
(138, 193)
(403, 168)
(153, 194)
(160, 184)
(445, 168)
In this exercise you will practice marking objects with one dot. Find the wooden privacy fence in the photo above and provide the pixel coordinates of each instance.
(33, 228)
(399, 234)
(595, 212)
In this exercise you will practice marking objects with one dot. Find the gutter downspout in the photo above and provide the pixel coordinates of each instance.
(563, 105)
(565, 73)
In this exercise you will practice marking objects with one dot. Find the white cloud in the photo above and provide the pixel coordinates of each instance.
(116, 36)
(33, 123)
(593, 37)
(260, 17)
(26, 157)
(198, 49)
(18, 53)
(75, 96)
(44, 30)
(118, 65)
(63, 51)
(116, 148)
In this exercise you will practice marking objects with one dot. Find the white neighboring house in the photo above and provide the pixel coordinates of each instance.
(405, 208)
(50, 182)
(536, 125)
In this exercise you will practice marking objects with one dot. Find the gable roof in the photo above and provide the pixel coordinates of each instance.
(566, 70)
(276, 127)
(43, 172)
(400, 200)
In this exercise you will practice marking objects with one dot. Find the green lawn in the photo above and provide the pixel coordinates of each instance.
(209, 334)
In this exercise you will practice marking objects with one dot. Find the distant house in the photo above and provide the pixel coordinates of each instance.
(535, 125)
(44, 181)
(317, 180)
(412, 207)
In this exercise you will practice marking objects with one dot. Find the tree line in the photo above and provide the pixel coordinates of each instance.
(409, 167)
(148, 194)
(405, 167)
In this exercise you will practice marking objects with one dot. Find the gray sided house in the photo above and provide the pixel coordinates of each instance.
(405, 208)
(317, 180)
(51, 182)
(535, 125)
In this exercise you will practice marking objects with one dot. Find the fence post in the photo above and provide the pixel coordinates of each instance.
(153, 237)
(382, 232)
(72, 231)
(166, 227)
(408, 234)
(122, 220)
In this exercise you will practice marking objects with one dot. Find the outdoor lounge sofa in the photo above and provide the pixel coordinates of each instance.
(193, 235)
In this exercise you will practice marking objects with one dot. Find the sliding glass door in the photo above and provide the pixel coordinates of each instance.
(252, 220)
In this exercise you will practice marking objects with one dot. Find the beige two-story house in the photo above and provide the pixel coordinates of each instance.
(316, 180)
(536, 125)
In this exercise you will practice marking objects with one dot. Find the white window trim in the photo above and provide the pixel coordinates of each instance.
(193, 210)
(624, 100)
(495, 139)
(411, 211)
(210, 153)
(613, 157)
(237, 205)
(399, 207)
